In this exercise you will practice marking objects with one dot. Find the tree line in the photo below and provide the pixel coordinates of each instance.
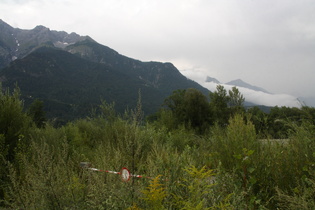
(192, 109)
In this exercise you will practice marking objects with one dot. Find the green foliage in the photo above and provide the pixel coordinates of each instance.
(236, 98)
(190, 108)
(165, 120)
(226, 168)
(239, 135)
(197, 187)
(13, 121)
(260, 121)
(37, 113)
(108, 111)
(236, 101)
(224, 105)
(155, 194)
(301, 195)
(3, 147)
(176, 103)
(3, 172)
(219, 105)
(280, 118)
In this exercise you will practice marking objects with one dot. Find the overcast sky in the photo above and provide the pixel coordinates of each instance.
(267, 43)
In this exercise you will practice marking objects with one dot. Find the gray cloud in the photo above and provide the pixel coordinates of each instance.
(266, 43)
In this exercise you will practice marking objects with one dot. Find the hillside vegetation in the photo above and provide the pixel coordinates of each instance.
(71, 85)
(193, 155)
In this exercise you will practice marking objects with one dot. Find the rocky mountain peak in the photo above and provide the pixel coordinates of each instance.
(241, 83)
(211, 79)
(17, 43)
(41, 28)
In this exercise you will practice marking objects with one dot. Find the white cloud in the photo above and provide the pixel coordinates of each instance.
(258, 97)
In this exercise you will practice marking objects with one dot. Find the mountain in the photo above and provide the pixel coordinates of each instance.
(241, 83)
(211, 79)
(72, 74)
(255, 95)
(16, 43)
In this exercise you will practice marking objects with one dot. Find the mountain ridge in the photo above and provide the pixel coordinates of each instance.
(16, 43)
(72, 79)
(211, 79)
(241, 83)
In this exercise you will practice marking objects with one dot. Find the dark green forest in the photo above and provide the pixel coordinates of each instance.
(197, 152)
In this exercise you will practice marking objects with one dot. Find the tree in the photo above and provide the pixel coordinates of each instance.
(37, 113)
(176, 104)
(219, 105)
(225, 105)
(235, 97)
(198, 112)
(309, 113)
(189, 107)
(236, 101)
(280, 119)
(260, 120)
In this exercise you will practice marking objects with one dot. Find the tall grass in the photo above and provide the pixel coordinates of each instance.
(229, 168)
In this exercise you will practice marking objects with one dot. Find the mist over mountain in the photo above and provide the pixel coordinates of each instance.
(254, 94)
(211, 79)
(241, 83)
(73, 73)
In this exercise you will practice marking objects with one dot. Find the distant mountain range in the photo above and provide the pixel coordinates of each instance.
(237, 83)
(254, 95)
(73, 73)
